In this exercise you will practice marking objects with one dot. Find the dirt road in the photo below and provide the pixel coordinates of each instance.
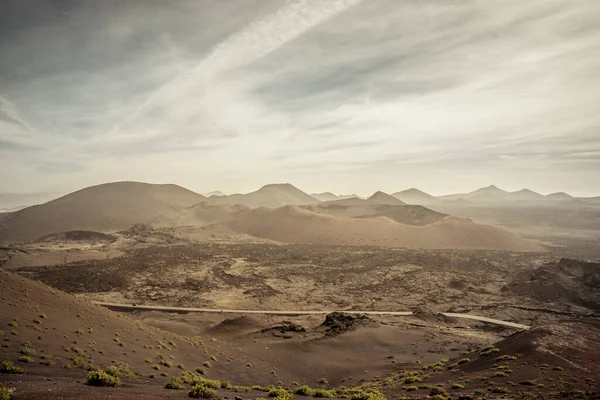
(128, 307)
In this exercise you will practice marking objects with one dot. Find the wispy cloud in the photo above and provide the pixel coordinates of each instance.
(305, 90)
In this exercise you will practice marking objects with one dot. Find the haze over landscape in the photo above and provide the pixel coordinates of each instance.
(346, 199)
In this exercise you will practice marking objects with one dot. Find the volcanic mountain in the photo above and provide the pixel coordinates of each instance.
(104, 208)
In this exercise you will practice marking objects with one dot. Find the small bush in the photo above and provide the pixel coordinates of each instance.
(200, 370)
(175, 384)
(5, 394)
(375, 395)
(304, 391)
(324, 393)
(101, 378)
(412, 379)
(14, 323)
(7, 367)
(156, 367)
(500, 374)
(201, 392)
(26, 359)
(411, 388)
(463, 361)
(506, 357)
(456, 385)
(207, 364)
(323, 381)
(527, 383)
(436, 391)
(226, 385)
(486, 351)
(501, 390)
(280, 394)
(558, 368)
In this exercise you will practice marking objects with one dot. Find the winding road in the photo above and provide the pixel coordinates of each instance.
(128, 307)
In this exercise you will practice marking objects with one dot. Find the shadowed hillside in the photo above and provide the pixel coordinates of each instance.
(103, 208)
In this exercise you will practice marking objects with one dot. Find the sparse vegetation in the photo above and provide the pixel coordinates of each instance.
(174, 384)
(201, 392)
(5, 393)
(319, 392)
(456, 385)
(412, 379)
(506, 357)
(500, 390)
(304, 391)
(26, 359)
(486, 351)
(7, 367)
(102, 378)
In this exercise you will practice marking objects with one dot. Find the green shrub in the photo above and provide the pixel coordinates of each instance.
(175, 384)
(225, 385)
(456, 385)
(280, 394)
(463, 361)
(500, 374)
(412, 379)
(374, 395)
(200, 370)
(304, 391)
(26, 359)
(557, 368)
(435, 391)
(324, 393)
(486, 351)
(101, 378)
(5, 394)
(323, 381)
(506, 357)
(411, 388)
(210, 383)
(501, 390)
(7, 367)
(201, 392)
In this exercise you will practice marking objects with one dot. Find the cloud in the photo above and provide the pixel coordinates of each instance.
(252, 87)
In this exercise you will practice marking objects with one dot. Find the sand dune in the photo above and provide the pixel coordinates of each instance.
(299, 225)
(275, 195)
(103, 208)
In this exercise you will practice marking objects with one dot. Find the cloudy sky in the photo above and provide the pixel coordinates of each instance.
(337, 95)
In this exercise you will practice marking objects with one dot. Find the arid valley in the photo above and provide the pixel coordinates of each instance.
(279, 291)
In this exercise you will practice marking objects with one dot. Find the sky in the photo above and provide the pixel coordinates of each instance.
(347, 96)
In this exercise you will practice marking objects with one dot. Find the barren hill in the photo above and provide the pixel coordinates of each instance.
(103, 208)
(489, 192)
(328, 196)
(415, 196)
(404, 214)
(64, 336)
(303, 225)
(383, 198)
(526, 195)
(274, 195)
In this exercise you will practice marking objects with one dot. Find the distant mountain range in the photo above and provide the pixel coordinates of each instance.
(381, 219)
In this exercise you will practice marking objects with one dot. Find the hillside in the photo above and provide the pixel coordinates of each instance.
(379, 198)
(415, 196)
(274, 195)
(64, 336)
(303, 225)
(103, 208)
(328, 196)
